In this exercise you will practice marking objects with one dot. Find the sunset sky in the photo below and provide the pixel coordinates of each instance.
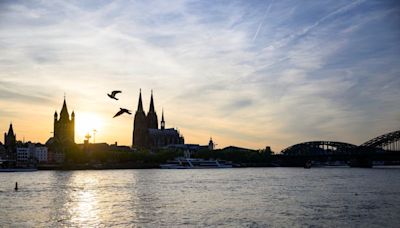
(247, 73)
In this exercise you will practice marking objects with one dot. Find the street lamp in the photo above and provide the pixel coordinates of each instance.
(94, 135)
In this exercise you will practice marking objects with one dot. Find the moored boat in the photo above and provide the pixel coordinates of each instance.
(195, 163)
(18, 170)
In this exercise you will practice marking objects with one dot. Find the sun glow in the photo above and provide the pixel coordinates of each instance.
(87, 123)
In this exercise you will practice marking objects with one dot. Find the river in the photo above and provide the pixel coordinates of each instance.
(244, 197)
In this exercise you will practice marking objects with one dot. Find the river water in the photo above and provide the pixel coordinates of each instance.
(247, 197)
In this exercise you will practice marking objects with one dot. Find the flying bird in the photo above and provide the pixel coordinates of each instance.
(113, 93)
(122, 111)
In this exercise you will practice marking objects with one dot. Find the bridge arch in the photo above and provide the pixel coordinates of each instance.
(319, 148)
(388, 141)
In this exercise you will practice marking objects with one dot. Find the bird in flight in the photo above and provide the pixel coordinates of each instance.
(122, 111)
(113, 93)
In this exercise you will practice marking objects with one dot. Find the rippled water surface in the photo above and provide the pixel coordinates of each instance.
(259, 197)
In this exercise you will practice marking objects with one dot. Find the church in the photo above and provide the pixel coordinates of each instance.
(10, 142)
(63, 134)
(146, 133)
(64, 127)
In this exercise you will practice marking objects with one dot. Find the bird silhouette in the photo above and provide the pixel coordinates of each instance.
(122, 111)
(113, 93)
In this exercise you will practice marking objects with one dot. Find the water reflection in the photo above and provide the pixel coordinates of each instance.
(83, 206)
(93, 199)
(200, 198)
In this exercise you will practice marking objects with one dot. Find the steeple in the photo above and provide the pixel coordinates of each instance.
(162, 120)
(64, 111)
(11, 130)
(140, 130)
(140, 105)
(10, 140)
(151, 109)
(152, 120)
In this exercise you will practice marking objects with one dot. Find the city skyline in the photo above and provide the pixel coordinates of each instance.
(250, 74)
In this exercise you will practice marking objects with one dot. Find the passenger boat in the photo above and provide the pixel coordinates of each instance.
(195, 163)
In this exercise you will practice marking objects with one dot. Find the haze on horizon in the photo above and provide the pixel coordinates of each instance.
(247, 73)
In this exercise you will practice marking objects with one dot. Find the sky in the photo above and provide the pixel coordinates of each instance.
(246, 73)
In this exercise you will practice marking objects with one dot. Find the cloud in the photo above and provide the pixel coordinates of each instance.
(259, 73)
(17, 92)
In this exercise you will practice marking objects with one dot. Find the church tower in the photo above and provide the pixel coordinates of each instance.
(10, 140)
(140, 130)
(152, 121)
(64, 127)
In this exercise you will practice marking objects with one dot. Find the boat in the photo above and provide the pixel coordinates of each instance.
(195, 163)
(18, 170)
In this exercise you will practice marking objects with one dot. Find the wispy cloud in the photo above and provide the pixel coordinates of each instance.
(245, 72)
(262, 21)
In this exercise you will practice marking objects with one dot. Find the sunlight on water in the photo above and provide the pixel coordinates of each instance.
(84, 207)
(277, 197)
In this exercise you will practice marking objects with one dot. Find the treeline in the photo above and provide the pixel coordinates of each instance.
(76, 155)
(106, 154)
(238, 156)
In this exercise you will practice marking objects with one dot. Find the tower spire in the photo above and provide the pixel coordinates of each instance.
(140, 129)
(11, 130)
(162, 120)
(152, 120)
(151, 109)
(140, 105)
(64, 110)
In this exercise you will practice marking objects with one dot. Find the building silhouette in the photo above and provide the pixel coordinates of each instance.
(63, 135)
(64, 127)
(146, 133)
(10, 142)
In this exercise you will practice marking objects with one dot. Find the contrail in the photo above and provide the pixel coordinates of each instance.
(261, 23)
(306, 30)
(258, 30)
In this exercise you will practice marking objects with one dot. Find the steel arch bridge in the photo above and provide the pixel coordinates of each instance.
(319, 148)
(389, 141)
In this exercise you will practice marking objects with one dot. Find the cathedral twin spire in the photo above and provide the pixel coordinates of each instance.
(151, 117)
(152, 120)
(140, 105)
(151, 109)
(146, 133)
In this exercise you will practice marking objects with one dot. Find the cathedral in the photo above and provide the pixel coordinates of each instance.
(146, 133)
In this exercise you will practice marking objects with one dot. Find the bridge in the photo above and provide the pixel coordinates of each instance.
(389, 142)
(385, 148)
(318, 148)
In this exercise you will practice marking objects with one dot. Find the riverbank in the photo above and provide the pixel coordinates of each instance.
(128, 166)
(98, 166)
